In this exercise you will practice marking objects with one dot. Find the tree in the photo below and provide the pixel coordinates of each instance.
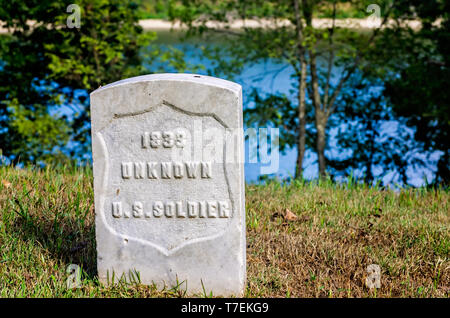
(418, 89)
(49, 65)
(286, 33)
(364, 147)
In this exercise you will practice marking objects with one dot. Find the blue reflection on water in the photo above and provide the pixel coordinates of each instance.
(271, 77)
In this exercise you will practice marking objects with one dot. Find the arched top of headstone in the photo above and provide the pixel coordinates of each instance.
(197, 94)
(181, 77)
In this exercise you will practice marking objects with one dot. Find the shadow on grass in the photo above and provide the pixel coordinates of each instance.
(67, 238)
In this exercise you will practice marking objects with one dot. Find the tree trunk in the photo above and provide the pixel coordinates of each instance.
(321, 124)
(301, 93)
(321, 117)
(302, 121)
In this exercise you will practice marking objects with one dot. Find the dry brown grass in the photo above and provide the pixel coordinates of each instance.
(46, 223)
(339, 232)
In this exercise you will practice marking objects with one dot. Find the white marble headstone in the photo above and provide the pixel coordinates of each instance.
(168, 155)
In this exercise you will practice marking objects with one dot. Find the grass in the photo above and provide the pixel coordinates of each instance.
(47, 223)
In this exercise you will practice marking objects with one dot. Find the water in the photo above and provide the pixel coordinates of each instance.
(272, 77)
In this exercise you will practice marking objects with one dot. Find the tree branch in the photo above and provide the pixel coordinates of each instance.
(331, 107)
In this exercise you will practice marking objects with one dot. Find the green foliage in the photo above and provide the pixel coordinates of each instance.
(276, 110)
(153, 9)
(43, 136)
(421, 62)
(345, 9)
(357, 57)
(47, 70)
(281, 43)
(362, 142)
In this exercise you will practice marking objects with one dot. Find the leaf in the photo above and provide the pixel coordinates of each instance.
(290, 216)
(6, 184)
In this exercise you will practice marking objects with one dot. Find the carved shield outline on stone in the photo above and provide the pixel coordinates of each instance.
(106, 172)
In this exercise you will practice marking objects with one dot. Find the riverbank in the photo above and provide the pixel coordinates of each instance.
(319, 23)
(324, 23)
